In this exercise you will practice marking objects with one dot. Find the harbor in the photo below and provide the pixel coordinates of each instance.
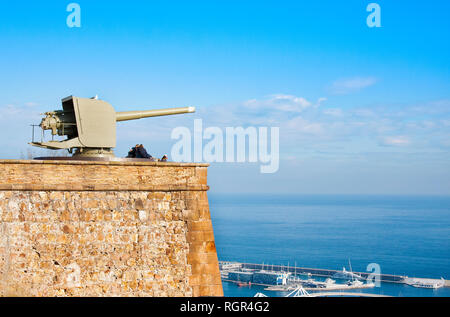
(281, 278)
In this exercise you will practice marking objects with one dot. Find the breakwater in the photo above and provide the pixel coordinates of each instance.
(387, 278)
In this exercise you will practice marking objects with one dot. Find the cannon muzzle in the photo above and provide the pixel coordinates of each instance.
(134, 115)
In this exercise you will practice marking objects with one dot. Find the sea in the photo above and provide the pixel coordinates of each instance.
(404, 235)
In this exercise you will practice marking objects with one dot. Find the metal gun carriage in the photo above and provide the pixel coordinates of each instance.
(90, 125)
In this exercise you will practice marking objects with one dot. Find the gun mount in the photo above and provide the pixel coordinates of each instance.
(90, 125)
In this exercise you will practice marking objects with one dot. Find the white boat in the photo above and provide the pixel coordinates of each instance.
(346, 275)
(426, 283)
(329, 281)
(355, 283)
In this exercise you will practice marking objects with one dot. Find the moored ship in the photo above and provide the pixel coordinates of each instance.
(425, 283)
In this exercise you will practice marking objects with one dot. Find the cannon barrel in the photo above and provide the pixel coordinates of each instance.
(134, 115)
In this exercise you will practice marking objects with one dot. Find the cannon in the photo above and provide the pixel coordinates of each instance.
(90, 125)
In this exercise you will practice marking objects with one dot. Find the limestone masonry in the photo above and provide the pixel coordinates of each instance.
(72, 228)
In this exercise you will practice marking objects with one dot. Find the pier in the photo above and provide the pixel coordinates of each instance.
(346, 294)
(387, 278)
(335, 287)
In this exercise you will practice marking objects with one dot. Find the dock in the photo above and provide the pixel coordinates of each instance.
(387, 278)
(336, 287)
(344, 294)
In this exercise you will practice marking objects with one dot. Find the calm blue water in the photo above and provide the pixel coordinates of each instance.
(405, 235)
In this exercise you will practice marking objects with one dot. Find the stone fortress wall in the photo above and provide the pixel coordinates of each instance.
(86, 228)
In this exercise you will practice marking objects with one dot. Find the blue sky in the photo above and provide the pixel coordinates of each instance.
(360, 110)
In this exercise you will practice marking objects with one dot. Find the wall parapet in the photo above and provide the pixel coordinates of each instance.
(102, 175)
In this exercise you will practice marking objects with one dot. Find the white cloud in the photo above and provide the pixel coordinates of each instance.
(349, 85)
(252, 103)
(12, 113)
(320, 101)
(335, 112)
(395, 141)
(279, 102)
(303, 124)
(290, 102)
(445, 122)
(9, 110)
(299, 124)
(428, 124)
(364, 113)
